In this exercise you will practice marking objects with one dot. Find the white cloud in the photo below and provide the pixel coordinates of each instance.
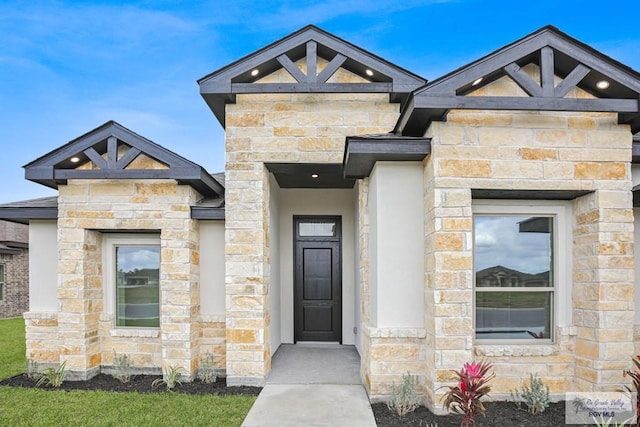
(499, 242)
(137, 257)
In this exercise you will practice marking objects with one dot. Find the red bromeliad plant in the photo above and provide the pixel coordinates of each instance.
(465, 398)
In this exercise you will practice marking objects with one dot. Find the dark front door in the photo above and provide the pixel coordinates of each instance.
(318, 279)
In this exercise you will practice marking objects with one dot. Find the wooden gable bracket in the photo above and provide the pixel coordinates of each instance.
(243, 76)
(557, 55)
(100, 146)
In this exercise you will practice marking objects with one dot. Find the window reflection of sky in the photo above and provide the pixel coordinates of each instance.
(499, 242)
(130, 258)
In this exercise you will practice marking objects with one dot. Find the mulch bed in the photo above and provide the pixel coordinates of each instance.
(138, 383)
(498, 414)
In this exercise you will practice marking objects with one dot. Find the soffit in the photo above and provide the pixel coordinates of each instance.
(309, 175)
(558, 56)
(310, 43)
(112, 151)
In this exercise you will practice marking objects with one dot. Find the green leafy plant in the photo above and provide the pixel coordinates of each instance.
(608, 423)
(465, 397)
(404, 397)
(121, 367)
(207, 369)
(53, 377)
(635, 377)
(535, 395)
(171, 378)
(33, 368)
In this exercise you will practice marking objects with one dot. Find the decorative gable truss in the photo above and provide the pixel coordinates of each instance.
(112, 151)
(615, 87)
(313, 44)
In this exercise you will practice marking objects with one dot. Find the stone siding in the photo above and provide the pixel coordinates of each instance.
(291, 128)
(82, 332)
(525, 150)
(15, 299)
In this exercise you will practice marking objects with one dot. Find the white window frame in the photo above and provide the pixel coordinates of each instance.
(561, 212)
(110, 242)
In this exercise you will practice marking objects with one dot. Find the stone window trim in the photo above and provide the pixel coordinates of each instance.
(109, 243)
(561, 211)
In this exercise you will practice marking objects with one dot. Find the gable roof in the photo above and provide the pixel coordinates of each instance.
(557, 54)
(310, 42)
(101, 147)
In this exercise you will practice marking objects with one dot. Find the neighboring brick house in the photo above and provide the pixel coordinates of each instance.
(358, 203)
(14, 269)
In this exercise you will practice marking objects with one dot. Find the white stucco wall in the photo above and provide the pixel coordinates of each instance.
(274, 255)
(212, 289)
(43, 267)
(317, 202)
(397, 245)
(635, 176)
(356, 279)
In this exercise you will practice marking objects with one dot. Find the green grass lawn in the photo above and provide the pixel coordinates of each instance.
(12, 347)
(31, 407)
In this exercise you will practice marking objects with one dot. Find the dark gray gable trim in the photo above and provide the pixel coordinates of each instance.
(209, 209)
(557, 54)
(22, 212)
(635, 150)
(56, 167)
(482, 193)
(221, 87)
(362, 152)
(207, 213)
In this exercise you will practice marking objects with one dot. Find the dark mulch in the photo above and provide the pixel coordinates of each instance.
(498, 414)
(138, 383)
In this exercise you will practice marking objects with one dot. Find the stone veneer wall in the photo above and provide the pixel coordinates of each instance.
(531, 150)
(295, 128)
(81, 332)
(15, 299)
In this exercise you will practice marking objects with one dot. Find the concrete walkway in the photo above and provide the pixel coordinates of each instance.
(313, 385)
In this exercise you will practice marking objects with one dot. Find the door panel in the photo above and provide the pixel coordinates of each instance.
(316, 274)
(318, 287)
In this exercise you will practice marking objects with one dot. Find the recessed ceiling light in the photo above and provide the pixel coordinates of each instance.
(75, 159)
(368, 72)
(314, 175)
(602, 84)
(255, 72)
(476, 82)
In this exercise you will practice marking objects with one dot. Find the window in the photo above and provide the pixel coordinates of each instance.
(317, 228)
(516, 257)
(133, 280)
(1, 282)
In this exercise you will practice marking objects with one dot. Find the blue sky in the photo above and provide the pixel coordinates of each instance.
(67, 67)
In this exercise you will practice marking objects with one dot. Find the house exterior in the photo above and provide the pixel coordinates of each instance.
(486, 214)
(14, 269)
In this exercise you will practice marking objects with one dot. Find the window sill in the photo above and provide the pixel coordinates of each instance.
(491, 350)
(135, 333)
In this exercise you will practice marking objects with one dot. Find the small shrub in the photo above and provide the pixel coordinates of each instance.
(121, 367)
(207, 369)
(608, 423)
(473, 385)
(536, 395)
(404, 398)
(33, 368)
(52, 377)
(171, 378)
(635, 377)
